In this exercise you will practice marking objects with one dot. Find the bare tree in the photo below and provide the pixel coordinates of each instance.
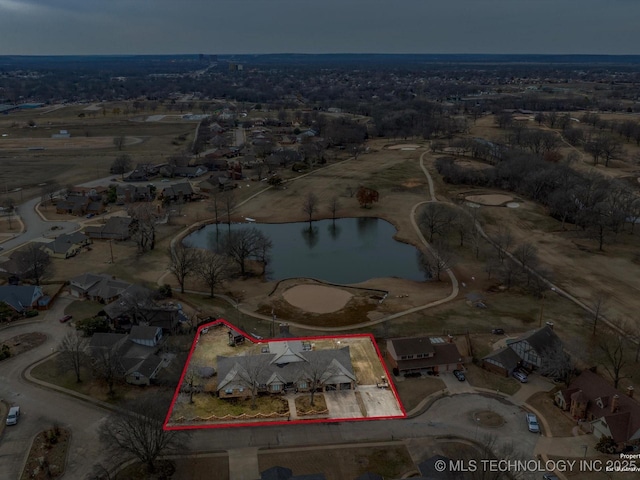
(614, 360)
(597, 305)
(121, 165)
(119, 142)
(316, 370)
(183, 261)
(213, 269)
(244, 244)
(49, 192)
(136, 432)
(503, 240)
(527, 255)
(106, 365)
(334, 206)
(558, 364)
(33, 262)
(229, 203)
(9, 206)
(433, 264)
(436, 219)
(145, 226)
(310, 206)
(72, 352)
(250, 371)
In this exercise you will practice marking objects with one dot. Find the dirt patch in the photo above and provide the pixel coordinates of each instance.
(24, 342)
(413, 390)
(48, 454)
(317, 298)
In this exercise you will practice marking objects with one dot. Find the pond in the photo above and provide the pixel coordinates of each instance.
(349, 250)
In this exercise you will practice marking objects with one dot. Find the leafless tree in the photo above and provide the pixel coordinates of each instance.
(119, 142)
(136, 432)
(213, 269)
(9, 206)
(433, 264)
(503, 241)
(121, 165)
(557, 363)
(244, 244)
(33, 262)
(106, 365)
(145, 226)
(183, 261)
(436, 219)
(49, 192)
(315, 372)
(527, 255)
(614, 357)
(334, 206)
(250, 371)
(72, 352)
(310, 206)
(229, 203)
(597, 306)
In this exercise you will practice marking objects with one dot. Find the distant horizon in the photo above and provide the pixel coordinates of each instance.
(248, 27)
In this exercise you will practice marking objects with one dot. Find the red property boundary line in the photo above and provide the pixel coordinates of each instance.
(220, 322)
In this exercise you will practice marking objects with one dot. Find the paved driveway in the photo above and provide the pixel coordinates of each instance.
(454, 385)
(379, 402)
(342, 404)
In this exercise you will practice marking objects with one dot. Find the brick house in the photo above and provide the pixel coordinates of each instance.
(423, 354)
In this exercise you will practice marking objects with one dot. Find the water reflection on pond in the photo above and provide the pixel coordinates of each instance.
(349, 250)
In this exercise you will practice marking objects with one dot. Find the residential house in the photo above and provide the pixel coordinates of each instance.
(116, 228)
(135, 193)
(502, 361)
(601, 409)
(218, 181)
(75, 205)
(142, 173)
(190, 171)
(100, 288)
(283, 365)
(534, 347)
(423, 354)
(178, 192)
(94, 193)
(66, 245)
(24, 297)
(135, 306)
(134, 354)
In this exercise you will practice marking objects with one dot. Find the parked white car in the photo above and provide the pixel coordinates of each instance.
(532, 423)
(13, 415)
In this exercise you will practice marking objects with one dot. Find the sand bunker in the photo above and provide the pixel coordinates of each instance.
(317, 298)
(491, 200)
(406, 146)
(513, 205)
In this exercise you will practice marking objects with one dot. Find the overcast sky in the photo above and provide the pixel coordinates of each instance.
(42, 27)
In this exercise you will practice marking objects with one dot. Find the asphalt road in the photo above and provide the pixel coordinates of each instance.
(41, 408)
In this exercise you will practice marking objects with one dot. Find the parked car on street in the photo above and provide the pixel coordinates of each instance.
(65, 319)
(521, 377)
(459, 375)
(498, 331)
(532, 423)
(13, 415)
(549, 476)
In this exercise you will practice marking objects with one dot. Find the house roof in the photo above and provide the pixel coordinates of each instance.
(505, 357)
(412, 345)
(444, 354)
(540, 339)
(276, 473)
(142, 332)
(177, 189)
(106, 340)
(148, 367)
(115, 227)
(101, 286)
(624, 424)
(64, 242)
(19, 297)
(335, 363)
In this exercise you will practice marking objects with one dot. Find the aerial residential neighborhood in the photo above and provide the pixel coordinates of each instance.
(331, 266)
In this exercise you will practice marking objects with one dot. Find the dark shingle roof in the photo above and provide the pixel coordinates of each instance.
(412, 345)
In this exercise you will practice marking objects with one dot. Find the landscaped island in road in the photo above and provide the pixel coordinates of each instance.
(234, 379)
